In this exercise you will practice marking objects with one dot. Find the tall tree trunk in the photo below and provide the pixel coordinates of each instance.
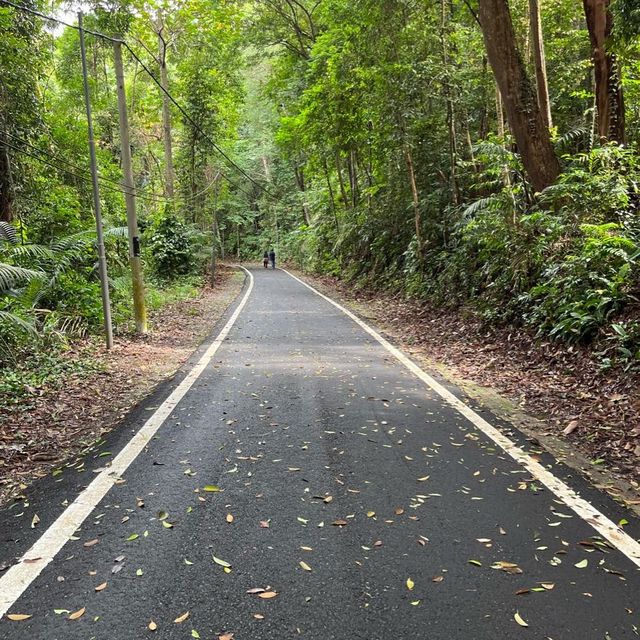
(417, 219)
(299, 174)
(343, 191)
(609, 95)
(519, 96)
(499, 113)
(166, 112)
(451, 121)
(540, 62)
(7, 194)
(327, 176)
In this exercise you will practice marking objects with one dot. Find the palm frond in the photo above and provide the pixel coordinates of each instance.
(8, 233)
(12, 276)
(13, 321)
(491, 202)
(36, 251)
(117, 232)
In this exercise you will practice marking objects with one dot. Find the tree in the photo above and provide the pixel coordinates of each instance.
(608, 86)
(518, 94)
(540, 62)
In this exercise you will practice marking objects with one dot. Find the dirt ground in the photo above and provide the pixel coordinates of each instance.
(61, 420)
(593, 415)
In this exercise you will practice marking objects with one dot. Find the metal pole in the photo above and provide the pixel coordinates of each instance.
(102, 260)
(139, 308)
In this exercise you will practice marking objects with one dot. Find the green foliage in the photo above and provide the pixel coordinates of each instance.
(173, 247)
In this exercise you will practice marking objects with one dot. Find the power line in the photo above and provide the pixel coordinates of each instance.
(156, 196)
(52, 19)
(84, 178)
(194, 124)
(157, 82)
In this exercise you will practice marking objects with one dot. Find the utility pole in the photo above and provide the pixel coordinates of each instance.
(139, 308)
(102, 260)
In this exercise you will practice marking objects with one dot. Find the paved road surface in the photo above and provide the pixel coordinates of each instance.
(329, 452)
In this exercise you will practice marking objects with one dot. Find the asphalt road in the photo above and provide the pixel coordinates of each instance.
(369, 506)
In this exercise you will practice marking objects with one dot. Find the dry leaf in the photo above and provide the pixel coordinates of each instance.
(571, 427)
(17, 617)
(101, 587)
(226, 636)
(77, 614)
(398, 511)
(181, 618)
(518, 618)
(258, 616)
(152, 626)
(90, 543)
(35, 521)
(339, 523)
(267, 595)
(229, 518)
(264, 524)
(410, 584)
(305, 566)
(437, 578)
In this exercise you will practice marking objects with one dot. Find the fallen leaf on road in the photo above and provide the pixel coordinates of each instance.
(477, 563)
(101, 587)
(582, 564)
(305, 566)
(229, 518)
(152, 626)
(410, 584)
(264, 524)
(256, 590)
(339, 523)
(423, 479)
(258, 616)
(90, 543)
(267, 595)
(222, 563)
(370, 514)
(211, 488)
(518, 618)
(77, 614)
(17, 617)
(437, 579)
(35, 521)
(226, 636)
(507, 567)
(181, 618)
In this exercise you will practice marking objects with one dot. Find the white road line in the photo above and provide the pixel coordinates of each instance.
(21, 575)
(603, 525)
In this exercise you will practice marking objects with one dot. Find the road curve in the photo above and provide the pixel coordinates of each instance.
(308, 485)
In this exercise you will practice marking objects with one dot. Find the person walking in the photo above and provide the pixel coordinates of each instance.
(265, 259)
(272, 258)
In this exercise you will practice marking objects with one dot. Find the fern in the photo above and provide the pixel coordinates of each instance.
(8, 233)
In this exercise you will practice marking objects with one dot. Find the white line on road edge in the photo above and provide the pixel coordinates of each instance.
(21, 575)
(603, 525)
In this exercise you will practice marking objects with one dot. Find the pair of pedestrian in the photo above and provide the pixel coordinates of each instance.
(269, 257)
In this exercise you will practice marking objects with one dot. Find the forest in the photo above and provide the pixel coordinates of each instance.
(478, 155)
